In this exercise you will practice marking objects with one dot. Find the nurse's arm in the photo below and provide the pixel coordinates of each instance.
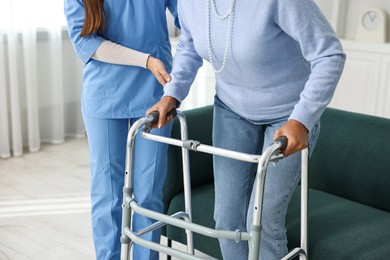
(113, 53)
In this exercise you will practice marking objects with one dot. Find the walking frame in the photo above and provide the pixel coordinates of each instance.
(183, 219)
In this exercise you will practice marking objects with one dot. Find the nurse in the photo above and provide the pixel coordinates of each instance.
(126, 52)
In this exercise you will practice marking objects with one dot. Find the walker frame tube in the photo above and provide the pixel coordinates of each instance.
(272, 153)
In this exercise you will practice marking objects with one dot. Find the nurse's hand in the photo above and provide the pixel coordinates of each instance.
(297, 136)
(165, 105)
(158, 69)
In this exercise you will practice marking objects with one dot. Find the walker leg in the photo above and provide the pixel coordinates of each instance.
(304, 202)
(126, 219)
(169, 244)
(125, 252)
(302, 251)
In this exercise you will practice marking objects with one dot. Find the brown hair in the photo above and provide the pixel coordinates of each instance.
(94, 17)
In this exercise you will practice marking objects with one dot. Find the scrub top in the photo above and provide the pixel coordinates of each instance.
(120, 91)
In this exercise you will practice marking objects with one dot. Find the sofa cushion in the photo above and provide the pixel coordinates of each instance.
(340, 228)
(351, 158)
(203, 198)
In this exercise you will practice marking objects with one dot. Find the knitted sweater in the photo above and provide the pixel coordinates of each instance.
(283, 59)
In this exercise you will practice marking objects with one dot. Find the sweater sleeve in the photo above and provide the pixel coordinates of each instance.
(185, 63)
(86, 46)
(305, 23)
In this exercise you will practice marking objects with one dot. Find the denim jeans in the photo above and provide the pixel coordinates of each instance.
(234, 183)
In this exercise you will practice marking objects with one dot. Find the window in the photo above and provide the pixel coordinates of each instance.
(23, 14)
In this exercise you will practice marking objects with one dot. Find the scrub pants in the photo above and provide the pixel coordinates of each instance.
(234, 183)
(107, 146)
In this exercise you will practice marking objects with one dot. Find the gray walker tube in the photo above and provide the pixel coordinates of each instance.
(184, 219)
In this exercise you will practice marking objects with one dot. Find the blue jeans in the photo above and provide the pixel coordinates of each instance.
(234, 183)
(107, 147)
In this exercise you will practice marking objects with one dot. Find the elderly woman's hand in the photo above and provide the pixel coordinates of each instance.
(297, 136)
(165, 105)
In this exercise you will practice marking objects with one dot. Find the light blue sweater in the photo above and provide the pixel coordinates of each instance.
(284, 59)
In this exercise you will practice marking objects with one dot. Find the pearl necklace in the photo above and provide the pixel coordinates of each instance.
(229, 14)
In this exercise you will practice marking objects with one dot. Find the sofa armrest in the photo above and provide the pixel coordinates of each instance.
(351, 158)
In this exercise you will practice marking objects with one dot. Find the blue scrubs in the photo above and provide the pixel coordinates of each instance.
(113, 97)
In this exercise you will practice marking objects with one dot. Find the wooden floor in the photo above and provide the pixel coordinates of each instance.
(45, 205)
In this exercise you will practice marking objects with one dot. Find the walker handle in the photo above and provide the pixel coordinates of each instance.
(282, 140)
(155, 115)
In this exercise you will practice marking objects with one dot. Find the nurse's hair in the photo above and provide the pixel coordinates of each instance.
(94, 17)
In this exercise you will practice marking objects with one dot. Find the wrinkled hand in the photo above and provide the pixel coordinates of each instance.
(165, 105)
(297, 136)
(158, 69)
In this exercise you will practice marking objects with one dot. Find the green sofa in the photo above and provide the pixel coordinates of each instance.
(349, 180)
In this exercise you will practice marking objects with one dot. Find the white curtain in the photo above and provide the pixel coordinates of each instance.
(40, 77)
